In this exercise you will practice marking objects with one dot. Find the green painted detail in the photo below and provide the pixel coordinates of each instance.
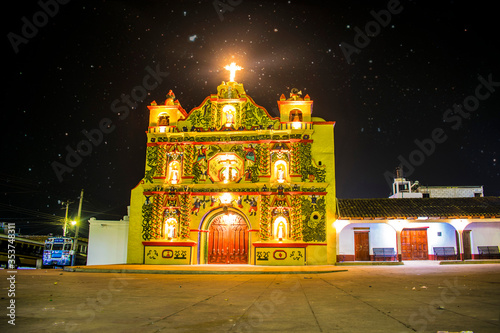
(151, 218)
(162, 161)
(189, 159)
(185, 202)
(307, 169)
(295, 218)
(313, 220)
(262, 158)
(151, 163)
(212, 151)
(265, 218)
(253, 116)
(295, 158)
(238, 150)
(196, 171)
(254, 173)
(201, 117)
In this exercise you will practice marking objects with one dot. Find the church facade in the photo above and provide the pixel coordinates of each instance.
(227, 183)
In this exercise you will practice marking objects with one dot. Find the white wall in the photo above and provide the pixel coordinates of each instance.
(107, 242)
(447, 238)
(452, 192)
(380, 235)
(484, 234)
(383, 235)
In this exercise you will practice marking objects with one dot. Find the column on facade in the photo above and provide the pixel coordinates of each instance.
(461, 244)
(398, 226)
(398, 243)
(460, 225)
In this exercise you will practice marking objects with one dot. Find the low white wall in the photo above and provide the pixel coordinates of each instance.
(107, 242)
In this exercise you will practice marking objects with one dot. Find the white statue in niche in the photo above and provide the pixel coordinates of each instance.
(281, 230)
(174, 174)
(281, 174)
(229, 113)
(170, 231)
(229, 119)
(280, 171)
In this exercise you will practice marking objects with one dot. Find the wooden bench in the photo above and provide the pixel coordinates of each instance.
(383, 252)
(445, 252)
(488, 252)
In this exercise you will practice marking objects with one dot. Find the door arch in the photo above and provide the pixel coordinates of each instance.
(227, 241)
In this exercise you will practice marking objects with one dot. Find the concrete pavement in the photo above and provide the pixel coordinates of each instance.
(204, 269)
(415, 297)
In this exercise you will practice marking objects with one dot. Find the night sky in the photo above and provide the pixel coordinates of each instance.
(395, 82)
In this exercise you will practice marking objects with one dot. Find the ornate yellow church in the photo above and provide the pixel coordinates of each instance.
(226, 183)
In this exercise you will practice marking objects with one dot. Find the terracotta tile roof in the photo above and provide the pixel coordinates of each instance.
(487, 207)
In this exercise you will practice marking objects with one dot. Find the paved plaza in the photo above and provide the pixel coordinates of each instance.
(415, 297)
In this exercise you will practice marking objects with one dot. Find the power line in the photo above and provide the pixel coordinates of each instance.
(30, 212)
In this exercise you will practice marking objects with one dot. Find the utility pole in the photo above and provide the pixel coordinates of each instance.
(65, 229)
(75, 243)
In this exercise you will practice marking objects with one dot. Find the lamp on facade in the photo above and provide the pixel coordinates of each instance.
(398, 225)
(460, 224)
(340, 224)
(226, 198)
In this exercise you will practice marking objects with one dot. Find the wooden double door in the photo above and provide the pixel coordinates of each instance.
(228, 240)
(414, 244)
(361, 246)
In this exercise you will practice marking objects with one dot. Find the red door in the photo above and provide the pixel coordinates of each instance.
(361, 246)
(228, 241)
(414, 244)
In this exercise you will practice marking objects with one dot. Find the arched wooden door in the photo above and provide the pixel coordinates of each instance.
(228, 240)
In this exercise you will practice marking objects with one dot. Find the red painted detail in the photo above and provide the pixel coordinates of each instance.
(324, 123)
(168, 244)
(303, 245)
(167, 254)
(279, 255)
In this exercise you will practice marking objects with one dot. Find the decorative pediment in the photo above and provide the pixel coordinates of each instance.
(230, 110)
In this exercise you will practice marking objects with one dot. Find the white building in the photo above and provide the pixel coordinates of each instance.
(414, 228)
(403, 188)
(107, 241)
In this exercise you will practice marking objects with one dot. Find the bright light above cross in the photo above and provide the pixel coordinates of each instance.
(232, 70)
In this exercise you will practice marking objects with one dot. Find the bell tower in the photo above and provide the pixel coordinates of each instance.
(295, 112)
(164, 118)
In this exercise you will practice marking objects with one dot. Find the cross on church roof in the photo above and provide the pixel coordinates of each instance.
(232, 70)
